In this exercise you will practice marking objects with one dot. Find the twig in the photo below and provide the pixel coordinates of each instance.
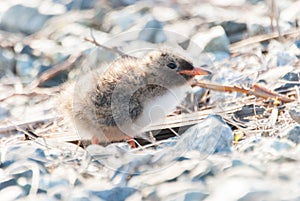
(272, 15)
(256, 90)
(265, 93)
(36, 91)
(113, 49)
(223, 88)
(66, 65)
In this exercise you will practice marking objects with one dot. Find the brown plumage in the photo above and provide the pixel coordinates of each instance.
(120, 102)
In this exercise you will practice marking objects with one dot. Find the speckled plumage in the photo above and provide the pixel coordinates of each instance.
(102, 102)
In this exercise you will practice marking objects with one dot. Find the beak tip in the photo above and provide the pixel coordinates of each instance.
(201, 71)
(195, 71)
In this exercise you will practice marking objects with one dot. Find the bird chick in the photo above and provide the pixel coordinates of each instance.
(132, 93)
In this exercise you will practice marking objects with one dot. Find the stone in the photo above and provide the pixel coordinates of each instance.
(121, 3)
(273, 146)
(118, 21)
(6, 181)
(295, 115)
(273, 75)
(203, 169)
(210, 136)
(153, 32)
(28, 153)
(182, 30)
(297, 43)
(11, 193)
(190, 196)
(220, 43)
(294, 134)
(238, 189)
(234, 30)
(98, 18)
(256, 29)
(291, 76)
(80, 5)
(26, 67)
(232, 27)
(180, 190)
(284, 58)
(167, 172)
(163, 14)
(9, 21)
(27, 49)
(254, 1)
(215, 40)
(248, 145)
(292, 80)
(7, 62)
(115, 194)
(248, 111)
(4, 112)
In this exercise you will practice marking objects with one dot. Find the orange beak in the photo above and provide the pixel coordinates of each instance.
(194, 72)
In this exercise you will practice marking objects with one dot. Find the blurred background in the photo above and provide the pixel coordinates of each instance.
(36, 35)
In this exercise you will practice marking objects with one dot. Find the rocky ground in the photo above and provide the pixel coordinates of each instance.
(252, 153)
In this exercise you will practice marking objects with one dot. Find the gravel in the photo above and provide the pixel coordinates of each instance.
(208, 162)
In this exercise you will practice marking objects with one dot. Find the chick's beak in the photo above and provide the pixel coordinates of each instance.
(194, 72)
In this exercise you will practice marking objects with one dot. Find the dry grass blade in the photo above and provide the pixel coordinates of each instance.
(177, 121)
(260, 38)
(33, 92)
(5, 129)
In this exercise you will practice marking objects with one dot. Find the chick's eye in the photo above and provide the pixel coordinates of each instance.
(171, 65)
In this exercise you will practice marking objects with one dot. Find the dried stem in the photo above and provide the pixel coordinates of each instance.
(113, 49)
(257, 90)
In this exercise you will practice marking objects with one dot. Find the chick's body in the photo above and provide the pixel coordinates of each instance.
(119, 102)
